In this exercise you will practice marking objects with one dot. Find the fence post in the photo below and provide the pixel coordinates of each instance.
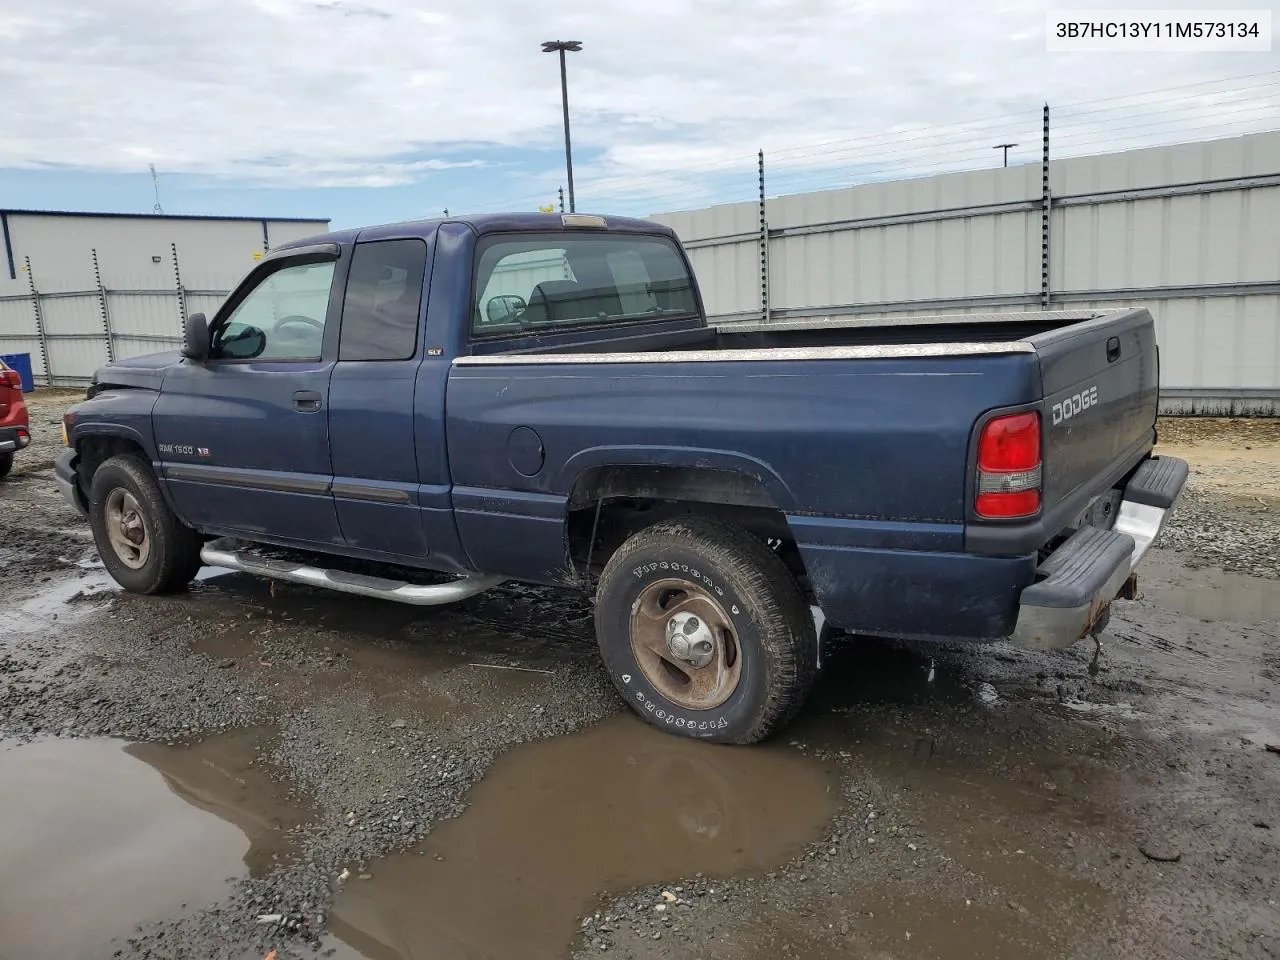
(103, 308)
(765, 312)
(40, 331)
(1045, 201)
(182, 292)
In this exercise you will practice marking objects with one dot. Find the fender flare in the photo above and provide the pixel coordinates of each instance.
(694, 458)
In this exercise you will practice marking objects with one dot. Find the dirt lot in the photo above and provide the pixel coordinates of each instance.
(250, 767)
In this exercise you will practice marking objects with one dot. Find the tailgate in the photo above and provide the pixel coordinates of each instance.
(1101, 386)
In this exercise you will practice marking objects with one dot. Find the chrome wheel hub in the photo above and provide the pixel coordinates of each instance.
(690, 640)
(126, 530)
(685, 644)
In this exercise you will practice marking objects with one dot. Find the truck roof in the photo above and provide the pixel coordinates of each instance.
(481, 223)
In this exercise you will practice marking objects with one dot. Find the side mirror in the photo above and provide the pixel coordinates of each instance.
(241, 341)
(504, 309)
(195, 338)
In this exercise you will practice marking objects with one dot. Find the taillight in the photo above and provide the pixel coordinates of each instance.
(12, 378)
(1009, 467)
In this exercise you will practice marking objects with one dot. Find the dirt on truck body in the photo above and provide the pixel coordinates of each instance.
(253, 766)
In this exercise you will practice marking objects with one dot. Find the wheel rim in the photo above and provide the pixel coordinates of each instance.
(126, 529)
(685, 644)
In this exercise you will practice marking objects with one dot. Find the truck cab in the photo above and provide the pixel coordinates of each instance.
(418, 411)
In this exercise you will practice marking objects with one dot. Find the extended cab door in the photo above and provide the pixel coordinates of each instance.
(371, 407)
(243, 438)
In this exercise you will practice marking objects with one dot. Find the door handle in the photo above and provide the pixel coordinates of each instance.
(306, 401)
(1113, 350)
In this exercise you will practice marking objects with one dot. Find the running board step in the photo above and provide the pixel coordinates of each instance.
(235, 555)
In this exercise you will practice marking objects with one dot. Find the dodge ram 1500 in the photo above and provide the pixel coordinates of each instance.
(419, 411)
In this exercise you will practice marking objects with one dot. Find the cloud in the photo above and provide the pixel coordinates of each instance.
(670, 98)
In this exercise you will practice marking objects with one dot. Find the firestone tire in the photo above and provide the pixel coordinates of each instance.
(144, 547)
(723, 579)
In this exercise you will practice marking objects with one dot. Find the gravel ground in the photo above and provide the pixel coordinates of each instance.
(1229, 513)
(989, 803)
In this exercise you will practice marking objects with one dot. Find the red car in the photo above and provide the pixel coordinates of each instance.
(14, 430)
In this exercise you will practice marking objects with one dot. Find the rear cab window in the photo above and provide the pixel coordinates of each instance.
(535, 282)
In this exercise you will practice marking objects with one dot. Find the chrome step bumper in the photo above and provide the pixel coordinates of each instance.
(1079, 580)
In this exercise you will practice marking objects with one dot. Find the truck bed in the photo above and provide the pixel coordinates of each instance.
(869, 430)
(936, 328)
(807, 332)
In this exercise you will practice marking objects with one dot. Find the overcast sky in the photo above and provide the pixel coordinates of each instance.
(368, 110)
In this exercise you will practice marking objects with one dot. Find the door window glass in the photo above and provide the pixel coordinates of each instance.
(384, 299)
(282, 318)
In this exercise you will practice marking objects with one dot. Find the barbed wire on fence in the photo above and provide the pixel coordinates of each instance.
(630, 180)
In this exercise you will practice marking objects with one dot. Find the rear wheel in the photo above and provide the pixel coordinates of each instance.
(144, 547)
(705, 632)
(6, 464)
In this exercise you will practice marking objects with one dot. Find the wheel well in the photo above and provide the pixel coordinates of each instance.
(93, 452)
(609, 504)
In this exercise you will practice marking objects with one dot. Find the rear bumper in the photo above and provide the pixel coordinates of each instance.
(64, 475)
(1078, 581)
(13, 439)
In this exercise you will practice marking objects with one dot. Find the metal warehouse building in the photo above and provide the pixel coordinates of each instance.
(1190, 231)
(79, 289)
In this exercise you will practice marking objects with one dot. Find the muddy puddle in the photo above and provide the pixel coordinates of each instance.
(99, 836)
(63, 602)
(556, 823)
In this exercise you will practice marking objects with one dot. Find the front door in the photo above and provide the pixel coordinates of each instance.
(243, 438)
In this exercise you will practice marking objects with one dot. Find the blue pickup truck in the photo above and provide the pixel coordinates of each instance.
(422, 410)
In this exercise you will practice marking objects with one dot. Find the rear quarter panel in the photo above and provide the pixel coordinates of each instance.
(864, 454)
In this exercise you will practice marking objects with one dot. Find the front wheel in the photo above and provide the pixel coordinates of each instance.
(144, 547)
(705, 631)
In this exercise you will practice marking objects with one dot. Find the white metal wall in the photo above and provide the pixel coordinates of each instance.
(135, 291)
(1192, 232)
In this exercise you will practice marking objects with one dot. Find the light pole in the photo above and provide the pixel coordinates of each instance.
(1005, 147)
(562, 47)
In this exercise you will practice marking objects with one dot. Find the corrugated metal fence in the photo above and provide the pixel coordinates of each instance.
(1192, 232)
(70, 334)
(78, 290)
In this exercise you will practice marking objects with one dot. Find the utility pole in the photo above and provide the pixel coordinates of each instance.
(562, 47)
(562, 199)
(155, 186)
(1005, 147)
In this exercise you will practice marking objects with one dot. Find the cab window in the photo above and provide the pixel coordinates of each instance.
(282, 318)
(530, 283)
(381, 311)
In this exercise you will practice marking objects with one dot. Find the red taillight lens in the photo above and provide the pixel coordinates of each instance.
(1009, 469)
(12, 378)
(1004, 505)
(1010, 443)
